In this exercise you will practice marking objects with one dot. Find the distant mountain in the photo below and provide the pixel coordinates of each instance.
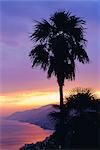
(39, 116)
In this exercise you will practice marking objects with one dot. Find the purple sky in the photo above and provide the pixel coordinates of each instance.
(16, 24)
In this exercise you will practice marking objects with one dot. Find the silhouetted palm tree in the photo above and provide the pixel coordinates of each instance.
(58, 43)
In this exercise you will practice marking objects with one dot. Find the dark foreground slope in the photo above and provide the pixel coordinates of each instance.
(80, 132)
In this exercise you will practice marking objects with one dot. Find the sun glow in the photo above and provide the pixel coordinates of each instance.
(26, 100)
(20, 101)
(97, 93)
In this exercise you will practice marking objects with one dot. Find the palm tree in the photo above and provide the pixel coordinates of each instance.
(58, 43)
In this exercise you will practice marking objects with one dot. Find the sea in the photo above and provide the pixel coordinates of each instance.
(14, 134)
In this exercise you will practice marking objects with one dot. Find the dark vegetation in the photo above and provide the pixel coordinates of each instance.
(81, 121)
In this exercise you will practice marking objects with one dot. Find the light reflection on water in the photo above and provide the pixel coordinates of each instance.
(14, 134)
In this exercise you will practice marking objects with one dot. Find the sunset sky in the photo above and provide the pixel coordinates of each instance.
(22, 87)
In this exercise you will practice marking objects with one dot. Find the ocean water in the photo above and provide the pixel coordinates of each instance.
(14, 134)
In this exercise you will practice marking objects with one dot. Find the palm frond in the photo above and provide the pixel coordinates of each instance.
(76, 22)
(42, 31)
(81, 54)
(51, 68)
(39, 56)
(60, 19)
(70, 72)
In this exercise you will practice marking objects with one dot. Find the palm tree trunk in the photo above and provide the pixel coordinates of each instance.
(61, 97)
(61, 123)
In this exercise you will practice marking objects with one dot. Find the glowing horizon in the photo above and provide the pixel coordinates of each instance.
(20, 101)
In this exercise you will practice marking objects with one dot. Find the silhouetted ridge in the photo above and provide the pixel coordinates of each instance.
(38, 116)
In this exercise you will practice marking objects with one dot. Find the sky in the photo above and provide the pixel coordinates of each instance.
(22, 87)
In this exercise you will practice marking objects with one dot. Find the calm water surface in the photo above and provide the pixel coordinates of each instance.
(14, 134)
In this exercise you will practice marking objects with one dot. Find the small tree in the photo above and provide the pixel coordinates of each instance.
(81, 100)
(59, 42)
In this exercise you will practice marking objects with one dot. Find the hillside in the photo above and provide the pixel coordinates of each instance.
(39, 116)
